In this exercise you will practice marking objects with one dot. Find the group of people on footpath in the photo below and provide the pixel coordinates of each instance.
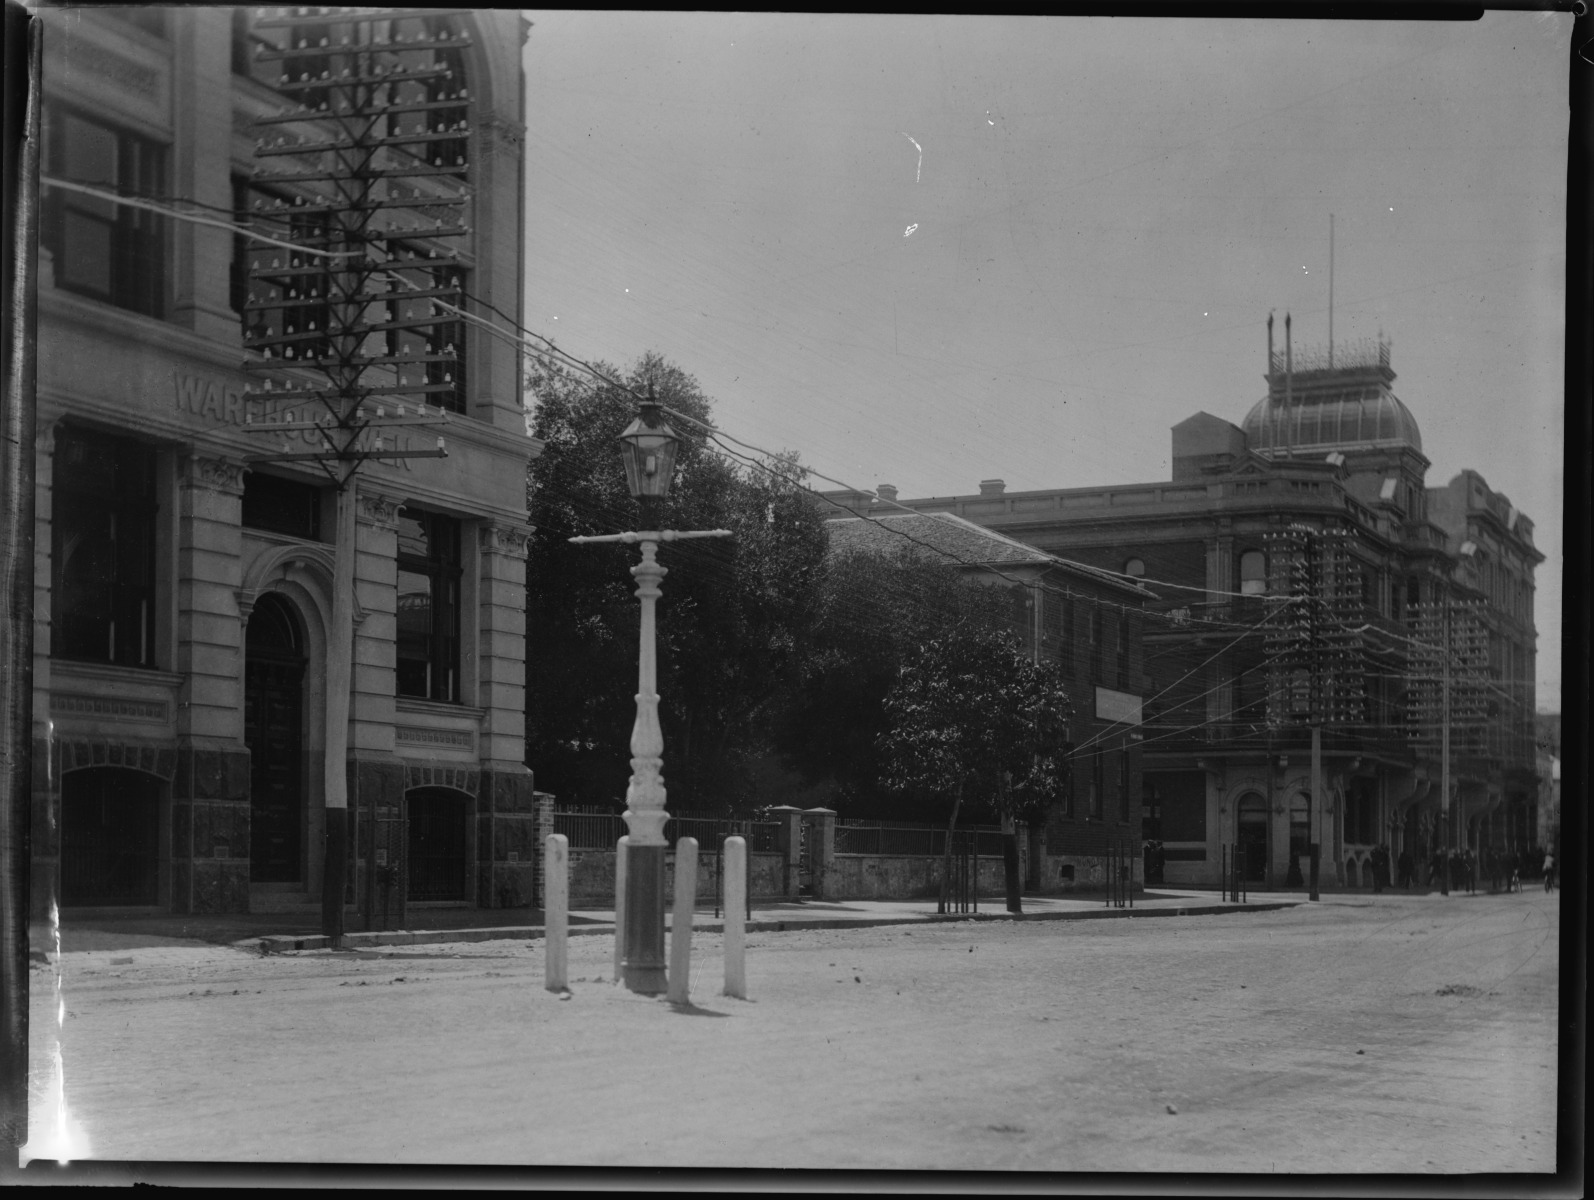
(1463, 869)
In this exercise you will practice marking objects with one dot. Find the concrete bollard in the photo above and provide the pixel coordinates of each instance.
(619, 906)
(680, 978)
(556, 914)
(736, 917)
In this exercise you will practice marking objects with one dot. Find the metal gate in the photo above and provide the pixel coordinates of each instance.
(437, 844)
(963, 876)
(110, 826)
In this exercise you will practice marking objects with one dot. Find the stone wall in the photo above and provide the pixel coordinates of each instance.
(901, 877)
(592, 877)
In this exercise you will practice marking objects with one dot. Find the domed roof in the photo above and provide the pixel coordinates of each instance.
(1343, 418)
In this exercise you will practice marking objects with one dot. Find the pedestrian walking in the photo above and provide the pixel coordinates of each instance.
(1407, 870)
(1549, 871)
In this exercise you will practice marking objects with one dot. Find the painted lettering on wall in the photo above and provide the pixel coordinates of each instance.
(210, 400)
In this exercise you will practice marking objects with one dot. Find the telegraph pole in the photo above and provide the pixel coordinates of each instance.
(1313, 816)
(1444, 749)
(357, 320)
(17, 445)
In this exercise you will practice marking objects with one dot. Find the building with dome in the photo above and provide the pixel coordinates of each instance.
(1309, 577)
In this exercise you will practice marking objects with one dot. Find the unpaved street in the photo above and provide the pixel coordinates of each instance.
(1389, 1035)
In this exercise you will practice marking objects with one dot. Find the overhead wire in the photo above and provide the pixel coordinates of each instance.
(719, 438)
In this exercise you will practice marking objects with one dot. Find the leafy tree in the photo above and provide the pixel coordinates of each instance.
(729, 618)
(869, 612)
(971, 710)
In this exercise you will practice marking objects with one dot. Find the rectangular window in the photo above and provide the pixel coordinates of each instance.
(102, 599)
(445, 345)
(1095, 643)
(1096, 784)
(1123, 786)
(1069, 631)
(282, 506)
(430, 337)
(1183, 797)
(1065, 802)
(1121, 650)
(99, 248)
(445, 95)
(278, 293)
(428, 605)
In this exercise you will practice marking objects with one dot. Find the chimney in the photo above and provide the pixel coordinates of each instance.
(1289, 376)
(1270, 354)
(887, 491)
(992, 487)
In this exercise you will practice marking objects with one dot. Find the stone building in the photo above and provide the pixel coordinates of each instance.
(1087, 620)
(1305, 574)
(184, 587)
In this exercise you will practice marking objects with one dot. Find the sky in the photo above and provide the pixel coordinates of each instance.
(927, 251)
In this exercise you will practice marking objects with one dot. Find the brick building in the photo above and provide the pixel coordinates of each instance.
(184, 587)
(1305, 574)
(1091, 623)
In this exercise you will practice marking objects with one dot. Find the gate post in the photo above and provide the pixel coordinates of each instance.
(788, 839)
(821, 848)
(541, 827)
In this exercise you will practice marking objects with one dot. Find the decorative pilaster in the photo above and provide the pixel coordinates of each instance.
(209, 573)
(210, 817)
(373, 710)
(501, 643)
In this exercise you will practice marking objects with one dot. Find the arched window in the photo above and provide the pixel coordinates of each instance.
(1136, 568)
(1300, 825)
(1253, 573)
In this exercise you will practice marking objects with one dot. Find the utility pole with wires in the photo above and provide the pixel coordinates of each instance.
(1318, 653)
(364, 174)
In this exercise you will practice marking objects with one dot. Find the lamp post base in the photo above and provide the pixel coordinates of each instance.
(643, 965)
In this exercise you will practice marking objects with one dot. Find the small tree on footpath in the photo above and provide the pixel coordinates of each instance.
(869, 613)
(971, 710)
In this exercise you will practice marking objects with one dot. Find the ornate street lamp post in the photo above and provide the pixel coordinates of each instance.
(648, 447)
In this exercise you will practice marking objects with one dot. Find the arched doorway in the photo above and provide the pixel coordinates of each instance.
(1253, 838)
(110, 837)
(439, 848)
(274, 663)
(1300, 839)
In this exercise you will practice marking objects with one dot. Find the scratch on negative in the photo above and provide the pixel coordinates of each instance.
(920, 149)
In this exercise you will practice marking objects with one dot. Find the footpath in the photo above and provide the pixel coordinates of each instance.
(281, 932)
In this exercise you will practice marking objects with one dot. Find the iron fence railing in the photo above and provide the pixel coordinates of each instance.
(601, 831)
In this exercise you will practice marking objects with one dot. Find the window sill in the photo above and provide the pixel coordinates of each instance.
(437, 708)
(110, 672)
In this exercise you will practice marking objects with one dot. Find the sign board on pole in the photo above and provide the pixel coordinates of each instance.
(1120, 707)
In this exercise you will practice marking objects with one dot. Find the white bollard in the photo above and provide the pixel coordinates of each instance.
(736, 917)
(680, 979)
(619, 906)
(556, 916)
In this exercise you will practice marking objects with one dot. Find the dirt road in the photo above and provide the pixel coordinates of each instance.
(1396, 1035)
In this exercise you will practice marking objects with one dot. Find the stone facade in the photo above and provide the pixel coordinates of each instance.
(1088, 621)
(147, 759)
(1333, 451)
